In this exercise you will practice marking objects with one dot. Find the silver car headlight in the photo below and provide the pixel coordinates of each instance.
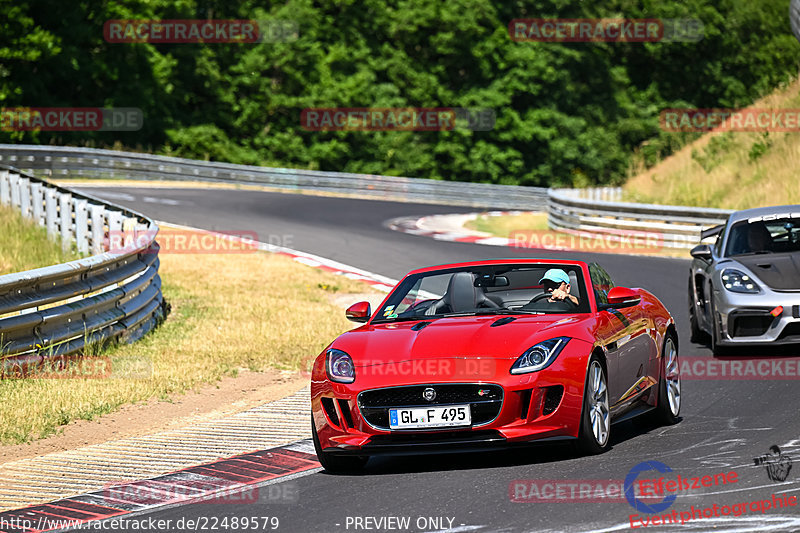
(539, 356)
(737, 281)
(339, 366)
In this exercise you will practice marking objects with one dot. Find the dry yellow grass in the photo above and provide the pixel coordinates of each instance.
(229, 312)
(733, 170)
(503, 225)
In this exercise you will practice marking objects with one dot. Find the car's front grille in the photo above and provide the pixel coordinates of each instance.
(485, 400)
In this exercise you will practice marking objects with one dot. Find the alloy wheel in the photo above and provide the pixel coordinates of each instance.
(598, 404)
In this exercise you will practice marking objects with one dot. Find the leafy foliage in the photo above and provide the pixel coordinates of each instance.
(567, 113)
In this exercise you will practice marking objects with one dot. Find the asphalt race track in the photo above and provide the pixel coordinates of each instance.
(725, 423)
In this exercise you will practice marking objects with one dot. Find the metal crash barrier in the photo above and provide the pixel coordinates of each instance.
(69, 162)
(599, 212)
(113, 293)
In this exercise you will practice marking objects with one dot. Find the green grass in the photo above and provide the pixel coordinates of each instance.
(24, 245)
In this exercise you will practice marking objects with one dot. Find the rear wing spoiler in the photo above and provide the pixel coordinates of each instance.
(710, 232)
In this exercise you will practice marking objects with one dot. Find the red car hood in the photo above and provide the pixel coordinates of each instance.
(457, 337)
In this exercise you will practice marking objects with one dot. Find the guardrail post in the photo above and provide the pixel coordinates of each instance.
(140, 230)
(51, 212)
(98, 227)
(129, 230)
(65, 212)
(25, 197)
(14, 183)
(82, 225)
(37, 203)
(116, 239)
(5, 188)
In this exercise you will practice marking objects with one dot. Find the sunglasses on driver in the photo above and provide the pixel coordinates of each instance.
(550, 285)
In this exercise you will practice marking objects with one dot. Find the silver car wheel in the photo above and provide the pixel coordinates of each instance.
(672, 375)
(598, 404)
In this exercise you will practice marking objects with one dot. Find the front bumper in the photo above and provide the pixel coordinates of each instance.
(746, 319)
(455, 442)
(538, 406)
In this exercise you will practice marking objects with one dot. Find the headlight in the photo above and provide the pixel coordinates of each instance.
(737, 281)
(540, 356)
(340, 366)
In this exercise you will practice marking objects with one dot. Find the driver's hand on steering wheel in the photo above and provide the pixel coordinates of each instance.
(557, 295)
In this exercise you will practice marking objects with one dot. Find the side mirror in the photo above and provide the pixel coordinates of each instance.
(359, 312)
(620, 297)
(702, 252)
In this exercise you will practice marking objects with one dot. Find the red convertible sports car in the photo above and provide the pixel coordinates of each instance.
(492, 353)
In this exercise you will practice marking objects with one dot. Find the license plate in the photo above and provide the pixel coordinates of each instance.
(429, 417)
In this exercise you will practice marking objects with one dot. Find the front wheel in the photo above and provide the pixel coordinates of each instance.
(669, 386)
(595, 430)
(336, 464)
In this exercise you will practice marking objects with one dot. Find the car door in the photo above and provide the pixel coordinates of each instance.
(628, 344)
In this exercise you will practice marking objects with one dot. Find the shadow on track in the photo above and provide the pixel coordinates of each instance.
(520, 455)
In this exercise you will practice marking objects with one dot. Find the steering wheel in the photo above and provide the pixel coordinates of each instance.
(540, 297)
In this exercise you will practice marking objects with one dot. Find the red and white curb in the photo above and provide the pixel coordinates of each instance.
(232, 480)
(451, 228)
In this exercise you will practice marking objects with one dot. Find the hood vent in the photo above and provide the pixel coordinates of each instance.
(503, 321)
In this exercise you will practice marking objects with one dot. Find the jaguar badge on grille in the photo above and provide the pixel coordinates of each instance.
(429, 394)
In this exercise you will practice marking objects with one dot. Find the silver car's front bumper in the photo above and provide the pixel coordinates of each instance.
(746, 318)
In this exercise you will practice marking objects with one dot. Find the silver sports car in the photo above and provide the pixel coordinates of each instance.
(745, 288)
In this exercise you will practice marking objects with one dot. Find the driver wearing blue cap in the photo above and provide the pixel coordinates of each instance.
(556, 283)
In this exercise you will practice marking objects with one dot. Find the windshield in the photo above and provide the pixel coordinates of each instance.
(764, 237)
(494, 289)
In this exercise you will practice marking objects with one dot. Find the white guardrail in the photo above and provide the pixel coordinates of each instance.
(71, 162)
(599, 211)
(59, 310)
